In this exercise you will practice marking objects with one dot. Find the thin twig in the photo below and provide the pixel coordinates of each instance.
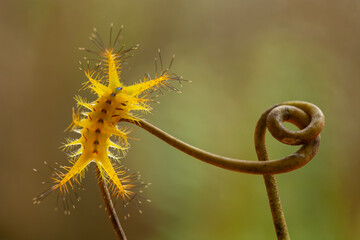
(306, 116)
(110, 206)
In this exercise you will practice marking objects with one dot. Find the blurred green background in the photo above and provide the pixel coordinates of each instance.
(243, 57)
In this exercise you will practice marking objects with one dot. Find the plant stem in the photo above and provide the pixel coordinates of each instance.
(110, 206)
(306, 116)
(277, 212)
(286, 164)
(270, 181)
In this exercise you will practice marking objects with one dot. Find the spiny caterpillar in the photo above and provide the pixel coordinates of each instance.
(102, 141)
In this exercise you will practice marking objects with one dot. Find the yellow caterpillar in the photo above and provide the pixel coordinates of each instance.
(98, 126)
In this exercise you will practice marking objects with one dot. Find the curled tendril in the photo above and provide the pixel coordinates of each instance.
(310, 120)
(306, 116)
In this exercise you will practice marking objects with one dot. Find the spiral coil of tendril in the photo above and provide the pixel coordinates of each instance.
(307, 117)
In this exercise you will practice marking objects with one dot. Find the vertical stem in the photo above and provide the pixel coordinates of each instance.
(276, 208)
(270, 181)
(110, 206)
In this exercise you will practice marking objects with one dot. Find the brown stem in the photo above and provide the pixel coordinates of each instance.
(286, 164)
(306, 116)
(110, 206)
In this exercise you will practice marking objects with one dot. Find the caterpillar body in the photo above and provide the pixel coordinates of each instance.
(102, 141)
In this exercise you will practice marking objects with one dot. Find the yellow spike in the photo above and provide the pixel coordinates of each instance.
(111, 155)
(76, 153)
(81, 101)
(97, 87)
(113, 65)
(119, 149)
(77, 121)
(105, 164)
(70, 143)
(73, 124)
(77, 168)
(115, 145)
(143, 107)
(137, 89)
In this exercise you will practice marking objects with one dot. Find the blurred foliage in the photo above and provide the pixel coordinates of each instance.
(243, 57)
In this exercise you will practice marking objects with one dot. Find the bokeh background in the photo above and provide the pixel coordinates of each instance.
(242, 57)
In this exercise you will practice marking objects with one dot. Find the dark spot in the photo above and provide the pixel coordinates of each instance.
(123, 104)
(94, 109)
(121, 109)
(97, 102)
(103, 110)
(85, 138)
(96, 142)
(87, 129)
(90, 117)
(114, 115)
(97, 130)
(113, 94)
(108, 102)
(95, 150)
(101, 120)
